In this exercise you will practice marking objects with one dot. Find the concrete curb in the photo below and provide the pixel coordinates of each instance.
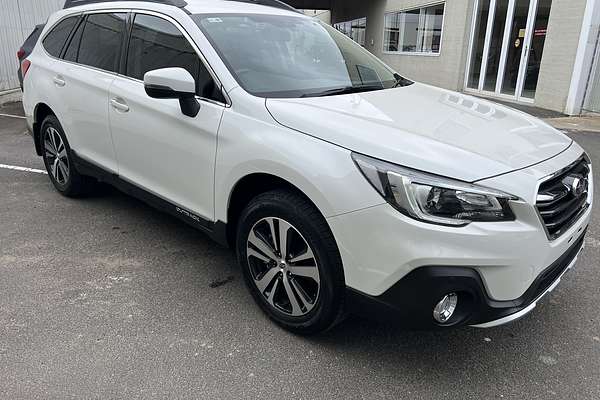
(10, 96)
(576, 124)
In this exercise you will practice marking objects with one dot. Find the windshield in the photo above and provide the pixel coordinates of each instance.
(287, 56)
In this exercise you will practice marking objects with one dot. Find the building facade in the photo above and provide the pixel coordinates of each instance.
(539, 52)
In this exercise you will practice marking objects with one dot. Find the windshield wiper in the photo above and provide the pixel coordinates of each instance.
(344, 90)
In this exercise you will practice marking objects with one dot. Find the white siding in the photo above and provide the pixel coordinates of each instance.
(17, 20)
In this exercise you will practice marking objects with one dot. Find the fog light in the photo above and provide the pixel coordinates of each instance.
(445, 308)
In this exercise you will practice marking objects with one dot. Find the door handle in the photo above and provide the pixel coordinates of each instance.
(119, 104)
(59, 81)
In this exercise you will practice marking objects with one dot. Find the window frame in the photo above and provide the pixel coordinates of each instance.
(78, 15)
(184, 33)
(131, 12)
(83, 20)
(421, 9)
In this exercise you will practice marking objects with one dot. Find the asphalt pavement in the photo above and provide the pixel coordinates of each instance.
(105, 297)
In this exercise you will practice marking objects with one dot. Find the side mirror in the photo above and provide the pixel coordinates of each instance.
(173, 83)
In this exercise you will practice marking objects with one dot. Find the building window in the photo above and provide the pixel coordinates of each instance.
(417, 31)
(355, 30)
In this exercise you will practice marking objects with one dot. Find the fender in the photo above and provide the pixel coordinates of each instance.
(329, 177)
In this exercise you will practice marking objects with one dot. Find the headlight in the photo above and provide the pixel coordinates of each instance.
(433, 198)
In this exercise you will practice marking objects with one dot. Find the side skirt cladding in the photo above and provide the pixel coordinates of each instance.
(215, 230)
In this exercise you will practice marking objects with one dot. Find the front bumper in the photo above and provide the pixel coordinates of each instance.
(380, 246)
(412, 299)
(404, 267)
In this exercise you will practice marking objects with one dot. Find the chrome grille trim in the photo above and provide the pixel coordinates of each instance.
(557, 204)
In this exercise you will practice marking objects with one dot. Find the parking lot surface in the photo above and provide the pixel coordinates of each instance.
(105, 297)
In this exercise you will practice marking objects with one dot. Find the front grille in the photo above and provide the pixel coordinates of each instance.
(563, 198)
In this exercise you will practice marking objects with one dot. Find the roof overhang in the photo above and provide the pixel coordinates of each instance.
(311, 4)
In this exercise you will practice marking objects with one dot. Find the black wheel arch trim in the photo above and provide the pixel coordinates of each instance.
(40, 112)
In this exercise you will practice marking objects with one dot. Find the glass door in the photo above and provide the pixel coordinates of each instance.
(507, 43)
(495, 51)
(517, 32)
(536, 49)
(478, 41)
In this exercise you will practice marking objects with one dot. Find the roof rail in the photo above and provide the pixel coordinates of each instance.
(75, 3)
(183, 3)
(269, 3)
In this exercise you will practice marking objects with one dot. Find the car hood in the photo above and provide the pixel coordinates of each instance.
(426, 128)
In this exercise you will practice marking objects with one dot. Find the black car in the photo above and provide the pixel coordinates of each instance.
(27, 48)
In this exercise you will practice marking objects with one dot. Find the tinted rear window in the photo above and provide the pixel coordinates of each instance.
(72, 50)
(55, 40)
(101, 41)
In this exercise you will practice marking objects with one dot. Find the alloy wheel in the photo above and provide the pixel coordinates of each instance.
(56, 156)
(283, 266)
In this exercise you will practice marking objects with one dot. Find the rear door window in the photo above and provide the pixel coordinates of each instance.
(55, 40)
(72, 50)
(101, 41)
(156, 43)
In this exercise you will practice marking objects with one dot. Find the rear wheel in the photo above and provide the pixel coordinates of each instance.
(290, 262)
(59, 161)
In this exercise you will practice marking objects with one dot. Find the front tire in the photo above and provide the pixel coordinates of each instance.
(291, 263)
(58, 160)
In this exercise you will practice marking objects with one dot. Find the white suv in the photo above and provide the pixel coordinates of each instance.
(342, 186)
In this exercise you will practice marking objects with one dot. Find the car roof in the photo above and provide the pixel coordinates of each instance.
(200, 6)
